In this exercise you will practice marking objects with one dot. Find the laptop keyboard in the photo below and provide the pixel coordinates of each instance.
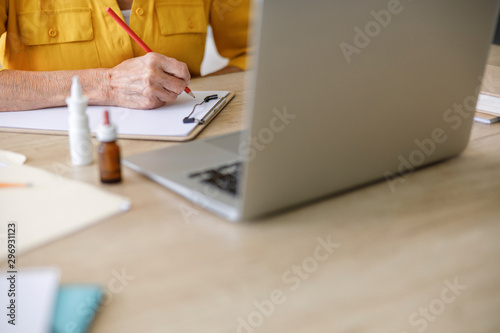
(224, 177)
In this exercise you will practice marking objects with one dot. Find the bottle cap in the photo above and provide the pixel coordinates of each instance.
(76, 93)
(76, 88)
(107, 131)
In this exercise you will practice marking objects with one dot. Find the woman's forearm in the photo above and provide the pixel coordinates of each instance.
(26, 90)
(145, 82)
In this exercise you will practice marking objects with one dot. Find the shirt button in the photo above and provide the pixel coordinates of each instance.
(191, 23)
(52, 33)
(139, 11)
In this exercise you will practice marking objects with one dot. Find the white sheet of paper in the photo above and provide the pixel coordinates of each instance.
(35, 300)
(164, 121)
(52, 207)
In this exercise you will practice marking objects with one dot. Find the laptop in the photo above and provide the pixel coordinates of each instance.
(343, 93)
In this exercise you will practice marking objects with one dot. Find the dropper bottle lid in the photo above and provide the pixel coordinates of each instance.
(76, 92)
(107, 131)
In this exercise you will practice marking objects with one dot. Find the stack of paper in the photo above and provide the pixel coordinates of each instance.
(489, 104)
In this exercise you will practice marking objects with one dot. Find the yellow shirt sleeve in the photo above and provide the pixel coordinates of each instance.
(230, 23)
(3, 16)
(3, 26)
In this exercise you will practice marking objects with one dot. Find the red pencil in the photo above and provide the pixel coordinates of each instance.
(137, 39)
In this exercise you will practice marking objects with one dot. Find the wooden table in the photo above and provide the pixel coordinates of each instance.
(398, 261)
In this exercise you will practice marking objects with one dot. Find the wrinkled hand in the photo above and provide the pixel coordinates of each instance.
(147, 82)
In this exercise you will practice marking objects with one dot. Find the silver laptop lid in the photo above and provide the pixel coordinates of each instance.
(347, 92)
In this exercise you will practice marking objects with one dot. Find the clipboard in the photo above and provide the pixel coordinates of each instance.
(131, 124)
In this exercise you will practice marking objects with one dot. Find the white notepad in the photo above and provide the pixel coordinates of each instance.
(164, 122)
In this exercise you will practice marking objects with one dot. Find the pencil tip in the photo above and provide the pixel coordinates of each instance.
(191, 94)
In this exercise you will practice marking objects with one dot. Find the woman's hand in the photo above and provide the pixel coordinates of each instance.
(147, 82)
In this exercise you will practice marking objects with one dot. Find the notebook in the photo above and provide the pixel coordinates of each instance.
(76, 308)
(164, 123)
(52, 207)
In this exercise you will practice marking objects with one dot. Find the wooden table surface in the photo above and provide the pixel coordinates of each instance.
(424, 258)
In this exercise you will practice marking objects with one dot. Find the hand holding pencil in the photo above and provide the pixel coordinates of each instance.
(149, 81)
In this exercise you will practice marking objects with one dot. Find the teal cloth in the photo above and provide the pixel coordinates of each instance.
(76, 307)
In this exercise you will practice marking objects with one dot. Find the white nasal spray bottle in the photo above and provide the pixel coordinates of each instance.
(80, 142)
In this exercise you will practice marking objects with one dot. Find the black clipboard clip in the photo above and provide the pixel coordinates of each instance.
(190, 120)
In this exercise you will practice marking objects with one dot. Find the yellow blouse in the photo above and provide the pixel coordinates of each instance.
(78, 34)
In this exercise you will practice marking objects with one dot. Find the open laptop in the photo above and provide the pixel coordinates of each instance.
(343, 93)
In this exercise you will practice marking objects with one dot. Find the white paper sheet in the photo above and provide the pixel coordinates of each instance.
(164, 121)
(34, 299)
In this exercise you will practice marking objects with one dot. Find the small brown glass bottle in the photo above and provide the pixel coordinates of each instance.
(109, 153)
